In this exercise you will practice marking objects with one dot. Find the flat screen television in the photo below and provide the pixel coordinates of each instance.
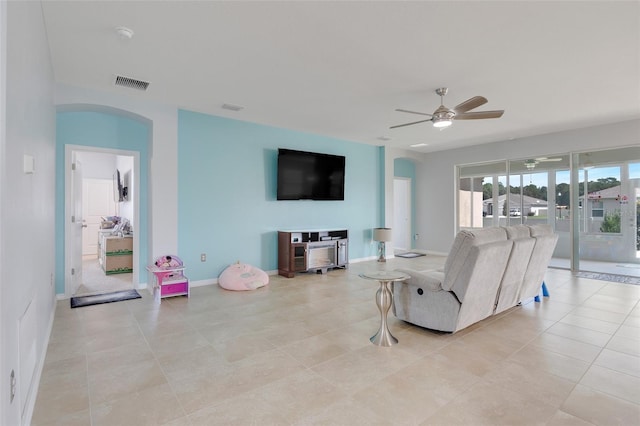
(118, 192)
(310, 176)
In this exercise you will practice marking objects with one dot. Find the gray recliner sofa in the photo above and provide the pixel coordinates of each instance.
(486, 272)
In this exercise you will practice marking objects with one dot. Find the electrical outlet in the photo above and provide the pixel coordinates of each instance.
(416, 237)
(203, 257)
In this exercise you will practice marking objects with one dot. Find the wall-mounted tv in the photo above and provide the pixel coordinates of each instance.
(118, 189)
(310, 176)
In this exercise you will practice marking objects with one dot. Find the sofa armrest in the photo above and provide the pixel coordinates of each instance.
(430, 280)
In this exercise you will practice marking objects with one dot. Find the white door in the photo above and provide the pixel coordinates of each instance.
(402, 213)
(97, 201)
(75, 226)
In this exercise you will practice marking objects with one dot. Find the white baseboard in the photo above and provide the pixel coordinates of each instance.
(214, 281)
(202, 283)
(365, 259)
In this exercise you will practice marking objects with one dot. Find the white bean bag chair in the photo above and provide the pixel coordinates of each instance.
(240, 276)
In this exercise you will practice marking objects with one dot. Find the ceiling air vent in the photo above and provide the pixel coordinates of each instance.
(231, 107)
(131, 83)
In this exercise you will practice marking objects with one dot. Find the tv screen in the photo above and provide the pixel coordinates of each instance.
(117, 187)
(310, 176)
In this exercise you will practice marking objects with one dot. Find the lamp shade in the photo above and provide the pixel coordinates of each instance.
(382, 234)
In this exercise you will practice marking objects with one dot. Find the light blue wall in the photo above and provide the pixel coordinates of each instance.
(404, 168)
(227, 193)
(407, 169)
(101, 130)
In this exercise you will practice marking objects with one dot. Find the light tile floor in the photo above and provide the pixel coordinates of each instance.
(297, 352)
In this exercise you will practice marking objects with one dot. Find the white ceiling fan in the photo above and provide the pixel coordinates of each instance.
(531, 163)
(444, 116)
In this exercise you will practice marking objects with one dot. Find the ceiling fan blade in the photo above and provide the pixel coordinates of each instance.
(414, 112)
(409, 124)
(470, 104)
(478, 115)
(548, 159)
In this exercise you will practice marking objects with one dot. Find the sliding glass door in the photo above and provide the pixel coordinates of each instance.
(539, 194)
(606, 233)
(591, 199)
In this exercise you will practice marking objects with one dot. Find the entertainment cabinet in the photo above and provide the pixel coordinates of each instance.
(312, 251)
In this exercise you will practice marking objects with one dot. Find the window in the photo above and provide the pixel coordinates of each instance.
(597, 208)
(470, 202)
(532, 189)
(480, 194)
(600, 187)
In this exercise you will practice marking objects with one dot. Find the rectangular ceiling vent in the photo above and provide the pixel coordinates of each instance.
(131, 83)
(231, 107)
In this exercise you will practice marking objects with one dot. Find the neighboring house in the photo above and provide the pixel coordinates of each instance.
(598, 204)
(519, 205)
(601, 202)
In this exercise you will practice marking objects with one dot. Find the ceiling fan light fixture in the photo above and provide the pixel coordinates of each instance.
(443, 117)
(441, 123)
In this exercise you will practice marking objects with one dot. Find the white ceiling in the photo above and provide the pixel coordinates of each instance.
(340, 68)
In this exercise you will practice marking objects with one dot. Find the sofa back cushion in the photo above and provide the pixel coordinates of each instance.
(513, 278)
(479, 280)
(542, 252)
(459, 255)
(516, 232)
(539, 230)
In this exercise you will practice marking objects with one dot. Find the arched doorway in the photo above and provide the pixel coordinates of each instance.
(96, 128)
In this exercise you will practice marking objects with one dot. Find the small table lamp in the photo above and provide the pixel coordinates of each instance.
(381, 235)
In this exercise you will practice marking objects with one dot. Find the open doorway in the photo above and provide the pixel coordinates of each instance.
(100, 238)
(404, 178)
(401, 214)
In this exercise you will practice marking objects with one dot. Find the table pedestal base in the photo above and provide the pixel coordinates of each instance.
(384, 299)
